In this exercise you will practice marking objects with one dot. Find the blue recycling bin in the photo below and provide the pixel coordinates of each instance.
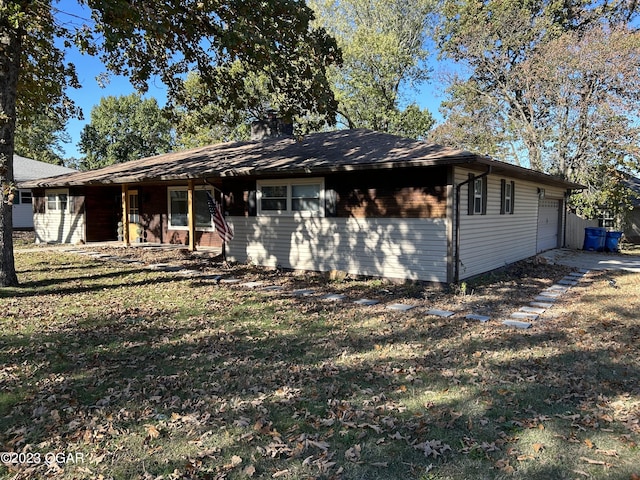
(594, 239)
(612, 242)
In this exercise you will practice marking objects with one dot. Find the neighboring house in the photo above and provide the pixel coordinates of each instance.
(25, 169)
(632, 221)
(352, 200)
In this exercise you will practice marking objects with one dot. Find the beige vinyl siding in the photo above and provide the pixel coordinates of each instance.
(59, 228)
(494, 240)
(407, 248)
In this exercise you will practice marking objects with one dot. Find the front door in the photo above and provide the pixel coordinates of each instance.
(135, 233)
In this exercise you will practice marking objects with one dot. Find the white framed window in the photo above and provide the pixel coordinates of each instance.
(507, 198)
(25, 197)
(296, 196)
(178, 200)
(607, 219)
(58, 201)
(477, 195)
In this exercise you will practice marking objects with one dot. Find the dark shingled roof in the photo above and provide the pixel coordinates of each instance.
(317, 153)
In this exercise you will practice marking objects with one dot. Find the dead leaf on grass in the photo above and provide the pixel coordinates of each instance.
(595, 462)
(353, 454)
(280, 473)
(537, 447)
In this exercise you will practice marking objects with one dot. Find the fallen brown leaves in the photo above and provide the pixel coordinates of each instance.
(157, 377)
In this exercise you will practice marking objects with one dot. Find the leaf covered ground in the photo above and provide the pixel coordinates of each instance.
(110, 370)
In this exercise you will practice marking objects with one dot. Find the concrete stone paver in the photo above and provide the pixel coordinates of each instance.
(230, 280)
(334, 297)
(525, 315)
(545, 305)
(480, 318)
(440, 313)
(303, 292)
(546, 298)
(403, 307)
(517, 324)
(536, 310)
(366, 302)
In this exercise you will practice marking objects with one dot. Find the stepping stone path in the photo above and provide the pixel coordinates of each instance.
(544, 301)
(521, 319)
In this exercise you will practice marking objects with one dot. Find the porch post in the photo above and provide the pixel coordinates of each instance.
(191, 219)
(125, 215)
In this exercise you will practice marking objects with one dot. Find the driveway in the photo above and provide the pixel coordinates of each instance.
(592, 260)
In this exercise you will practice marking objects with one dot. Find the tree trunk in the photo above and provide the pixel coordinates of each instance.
(10, 45)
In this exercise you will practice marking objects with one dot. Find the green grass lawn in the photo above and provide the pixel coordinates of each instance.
(130, 373)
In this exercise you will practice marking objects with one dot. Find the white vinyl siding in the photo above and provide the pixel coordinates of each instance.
(404, 248)
(51, 228)
(493, 240)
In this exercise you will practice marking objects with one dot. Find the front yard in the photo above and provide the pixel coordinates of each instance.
(111, 370)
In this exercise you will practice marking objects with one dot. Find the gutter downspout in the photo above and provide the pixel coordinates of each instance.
(456, 255)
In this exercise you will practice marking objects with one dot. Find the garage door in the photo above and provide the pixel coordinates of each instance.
(548, 224)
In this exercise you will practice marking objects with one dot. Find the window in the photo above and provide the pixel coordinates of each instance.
(134, 207)
(179, 208)
(607, 219)
(25, 197)
(57, 201)
(477, 195)
(290, 197)
(507, 196)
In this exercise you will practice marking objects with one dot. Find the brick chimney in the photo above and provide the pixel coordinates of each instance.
(271, 127)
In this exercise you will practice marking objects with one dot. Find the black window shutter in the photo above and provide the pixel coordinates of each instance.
(472, 194)
(484, 195)
(503, 198)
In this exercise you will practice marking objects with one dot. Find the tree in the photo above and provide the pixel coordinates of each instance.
(41, 138)
(164, 39)
(384, 55)
(559, 81)
(124, 128)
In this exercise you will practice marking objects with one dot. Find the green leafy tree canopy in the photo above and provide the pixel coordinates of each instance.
(384, 56)
(124, 128)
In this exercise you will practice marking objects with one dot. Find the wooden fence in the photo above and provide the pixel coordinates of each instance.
(575, 230)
